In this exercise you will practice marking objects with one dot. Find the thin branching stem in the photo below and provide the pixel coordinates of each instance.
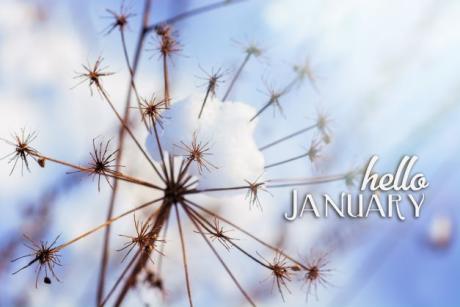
(194, 12)
(287, 160)
(131, 134)
(195, 221)
(276, 250)
(307, 181)
(280, 140)
(184, 256)
(195, 191)
(120, 278)
(89, 170)
(105, 224)
(237, 75)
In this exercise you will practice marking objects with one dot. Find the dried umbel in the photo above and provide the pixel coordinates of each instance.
(22, 150)
(44, 255)
(177, 188)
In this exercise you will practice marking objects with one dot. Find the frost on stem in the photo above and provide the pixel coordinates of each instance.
(197, 152)
(22, 150)
(46, 257)
(93, 75)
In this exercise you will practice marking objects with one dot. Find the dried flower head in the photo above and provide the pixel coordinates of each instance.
(151, 110)
(317, 272)
(46, 257)
(93, 75)
(305, 71)
(323, 125)
(22, 150)
(168, 44)
(220, 234)
(253, 49)
(197, 152)
(254, 187)
(280, 272)
(314, 150)
(120, 19)
(102, 162)
(144, 239)
(213, 79)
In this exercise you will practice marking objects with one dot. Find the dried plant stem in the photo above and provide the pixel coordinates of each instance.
(184, 257)
(131, 73)
(237, 75)
(218, 189)
(230, 241)
(131, 134)
(206, 96)
(274, 98)
(121, 139)
(278, 141)
(120, 278)
(307, 181)
(103, 225)
(227, 269)
(194, 12)
(166, 94)
(161, 218)
(87, 170)
(276, 250)
(287, 160)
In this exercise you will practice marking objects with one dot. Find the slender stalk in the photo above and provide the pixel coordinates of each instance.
(195, 191)
(194, 12)
(131, 134)
(184, 256)
(274, 98)
(87, 170)
(166, 80)
(313, 180)
(162, 217)
(237, 75)
(103, 225)
(278, 141)
(121, 140)
(120, 278)
(204, 101)
(222, 262)
(286, 161)
(276, 250)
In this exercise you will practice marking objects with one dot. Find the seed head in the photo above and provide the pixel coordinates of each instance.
(254, 187)
(144, 239)
(120, 19)
(316, 273)
(280, 272)
(102, 162)
(93, 75)
(197, 153)
(46, 257)
(22, 150)
(151, 110)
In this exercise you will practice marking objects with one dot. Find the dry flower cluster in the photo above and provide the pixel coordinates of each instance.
(177, 186)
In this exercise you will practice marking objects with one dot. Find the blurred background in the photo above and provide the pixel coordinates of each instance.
(385, 72)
